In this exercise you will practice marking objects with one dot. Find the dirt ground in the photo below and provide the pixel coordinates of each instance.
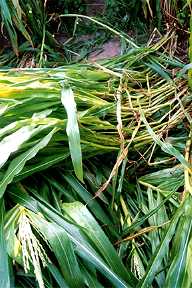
(109, 49)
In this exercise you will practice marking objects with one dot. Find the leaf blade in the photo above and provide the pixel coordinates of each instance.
(18, 163)
(72, 129)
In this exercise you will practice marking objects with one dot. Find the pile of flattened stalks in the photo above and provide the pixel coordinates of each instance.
(95, 174)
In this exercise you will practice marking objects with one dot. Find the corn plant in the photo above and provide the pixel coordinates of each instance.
(95, 176)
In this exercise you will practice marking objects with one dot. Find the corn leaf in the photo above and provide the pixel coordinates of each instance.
(57, 276)
(84, 248)
(4, 266)
(165, 146)
(177, 269)
(169, 179)
(80, 214)
(161, 251)
(16, 165)
(68, 101)
(187, 279)
(62, 248)
(87, 197)
(13, 142)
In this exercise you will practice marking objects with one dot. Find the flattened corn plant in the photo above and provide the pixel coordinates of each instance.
(95, 179)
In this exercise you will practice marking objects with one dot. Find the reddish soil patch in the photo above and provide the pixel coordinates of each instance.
(109, 49)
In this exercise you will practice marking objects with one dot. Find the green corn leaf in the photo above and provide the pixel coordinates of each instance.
(187, 279)
(4, 266)
(157, 68)
(16, 165)
(169, 179)
(43, 163)
(87, 197)
(7, 20)
(62, 248)
(155, 236)
(11, 13)
(12, 241)
(144, 218)
(13, 142)
(57, 276)
(68, 101)
(91, 277)
(153, 266)
(177, 269)
(84, 248)
(80, 214)
(165, 146)
(87, 252)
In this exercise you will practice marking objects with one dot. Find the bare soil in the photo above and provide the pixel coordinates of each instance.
(109, 49)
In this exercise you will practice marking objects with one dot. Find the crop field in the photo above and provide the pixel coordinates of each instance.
(95, 150)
